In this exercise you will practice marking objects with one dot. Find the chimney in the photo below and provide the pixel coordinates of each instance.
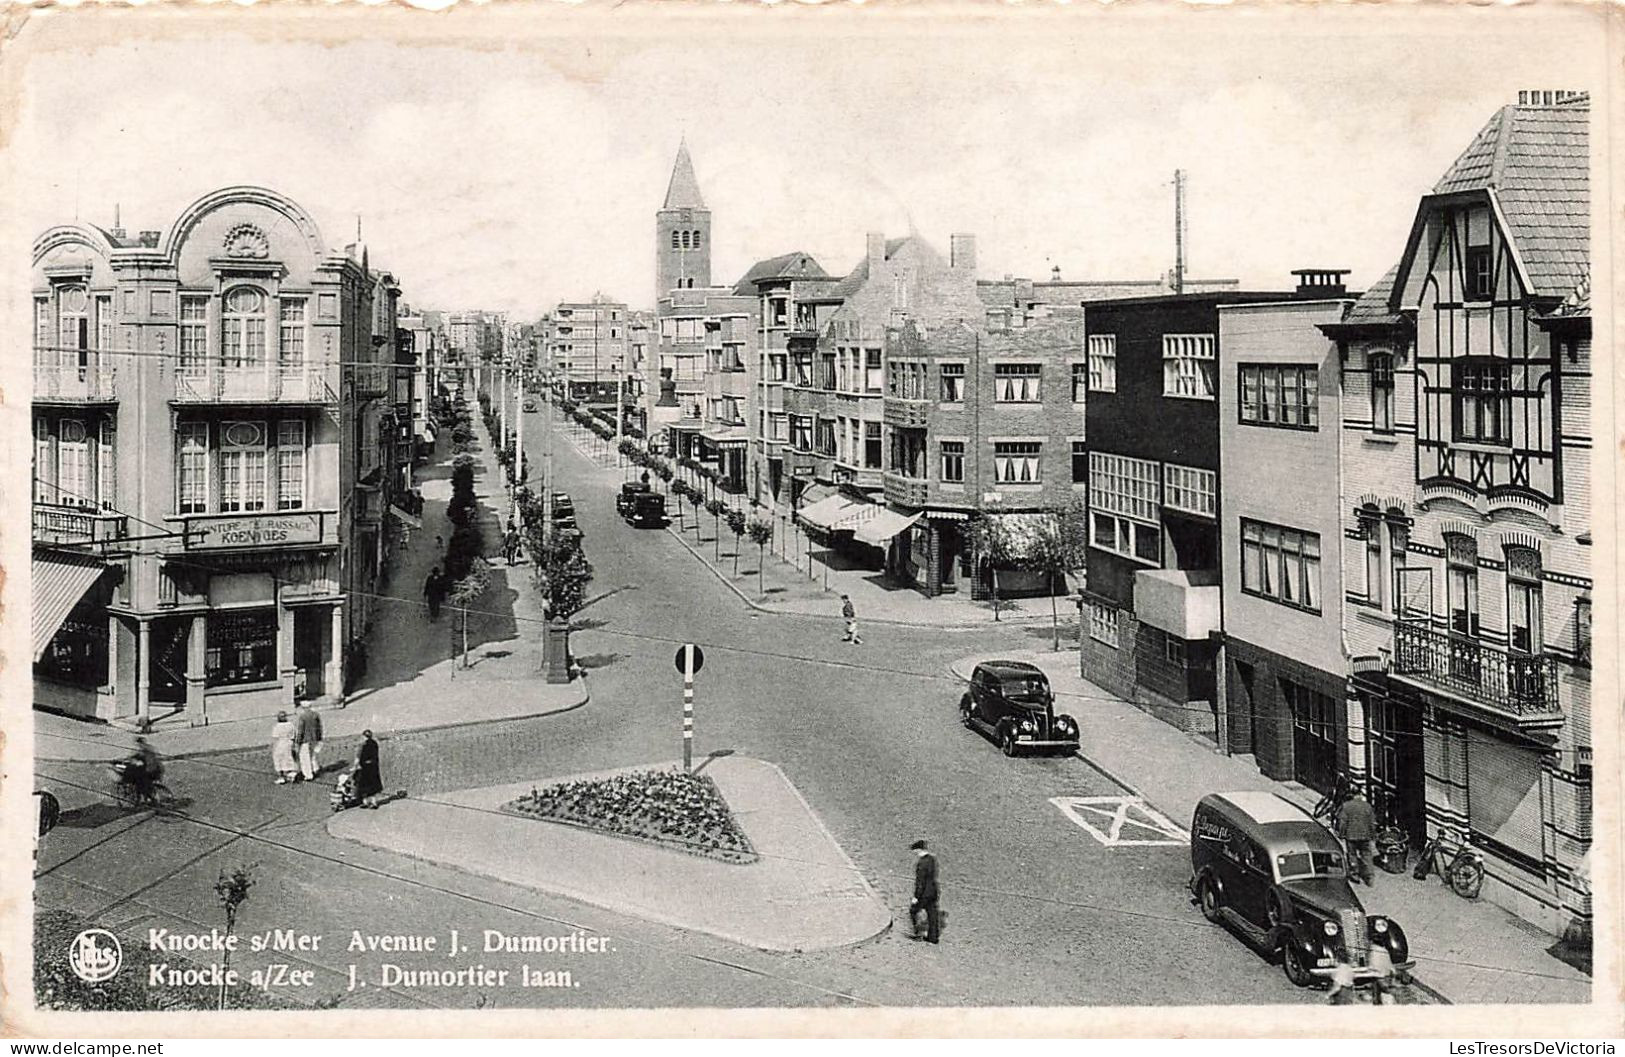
(118, 222)
(962, 252)
(877, 248)
(150, 238)
(1325, 282)
(1545, 96)
(1055, 274)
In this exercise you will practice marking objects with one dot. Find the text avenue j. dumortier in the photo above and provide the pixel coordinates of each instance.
(492, 941)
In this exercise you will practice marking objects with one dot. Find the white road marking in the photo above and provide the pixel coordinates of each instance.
(1105, 818)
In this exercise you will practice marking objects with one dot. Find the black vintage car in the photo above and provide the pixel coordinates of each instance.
(1264, 866)
(1011, 702)
(641, 506)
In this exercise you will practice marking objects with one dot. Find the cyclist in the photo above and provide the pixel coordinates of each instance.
(145, 768)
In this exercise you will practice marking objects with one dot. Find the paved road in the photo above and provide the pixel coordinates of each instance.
(1039, 911)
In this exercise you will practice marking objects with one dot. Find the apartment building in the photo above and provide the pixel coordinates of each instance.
(590, 347)
(201, 445)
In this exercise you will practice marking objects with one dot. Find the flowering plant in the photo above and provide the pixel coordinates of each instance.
(668, 807)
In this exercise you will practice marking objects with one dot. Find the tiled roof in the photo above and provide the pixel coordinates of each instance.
(1578, 304)
(683, 192)
(1536, 160)
(797, 265)
(1372, 306)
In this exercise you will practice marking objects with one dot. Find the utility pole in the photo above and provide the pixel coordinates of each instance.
(620, 414)
(518, 442)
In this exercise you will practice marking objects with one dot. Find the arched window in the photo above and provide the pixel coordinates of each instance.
(73, 325)
(1382, 391)
(242, 328)
(696, 238)
(674, 239)
(1523, 599)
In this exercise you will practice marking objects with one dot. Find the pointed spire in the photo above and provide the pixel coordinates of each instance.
(683, 192)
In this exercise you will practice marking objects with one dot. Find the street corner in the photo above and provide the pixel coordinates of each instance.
(797, 863)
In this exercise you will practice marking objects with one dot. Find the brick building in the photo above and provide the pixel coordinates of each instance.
(1466, 512)
(205, 430)
(589, 343)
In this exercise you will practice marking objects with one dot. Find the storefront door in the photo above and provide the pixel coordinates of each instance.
(1394, 749)
(167, 663)
(312, 636)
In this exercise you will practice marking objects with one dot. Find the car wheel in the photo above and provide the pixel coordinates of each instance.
(965, 711)
(1007, 743)
(1208, 894)
(1292, 964)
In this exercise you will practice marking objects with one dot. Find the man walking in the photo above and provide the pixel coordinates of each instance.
(434, 592)
(1358, 824)
(308, 733)
(851, 616)
(925, 892)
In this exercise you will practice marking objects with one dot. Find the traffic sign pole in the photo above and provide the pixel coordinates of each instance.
(688, 709)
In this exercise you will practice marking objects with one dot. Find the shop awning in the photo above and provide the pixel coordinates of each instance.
(1022, 531)
(859, 513)
(881, 528)
(405, 518)
(826, 512)
(60, 581)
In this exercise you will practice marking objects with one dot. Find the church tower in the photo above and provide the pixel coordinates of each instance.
(682, 231)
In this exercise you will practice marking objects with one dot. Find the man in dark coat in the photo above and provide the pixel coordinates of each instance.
(925, 891)
(368, 781)
(1359, 828)
(434, 592)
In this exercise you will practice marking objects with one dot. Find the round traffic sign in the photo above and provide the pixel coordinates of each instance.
(680, 661)
(49, 811)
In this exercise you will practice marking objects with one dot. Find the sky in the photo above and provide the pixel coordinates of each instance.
(510, 161)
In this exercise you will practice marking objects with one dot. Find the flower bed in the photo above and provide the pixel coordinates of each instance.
(685, 812)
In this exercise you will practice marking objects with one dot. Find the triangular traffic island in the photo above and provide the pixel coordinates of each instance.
(667, 807)
(733, 850)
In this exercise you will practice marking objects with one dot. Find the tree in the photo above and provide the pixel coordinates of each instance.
(715, 508)
(991, 538)
(563, 574)
(1058, 547)
(232, 892)
(736, 525)
(761, 531)
(465, 592)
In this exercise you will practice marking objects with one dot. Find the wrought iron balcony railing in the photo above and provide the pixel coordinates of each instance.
(252, 385)
(72, 384)
(65, 525)
(1520, 685)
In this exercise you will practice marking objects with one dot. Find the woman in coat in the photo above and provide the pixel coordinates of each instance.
(368, 782)
(282, 750)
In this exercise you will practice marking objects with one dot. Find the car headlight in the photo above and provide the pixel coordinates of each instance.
(1063, 722)
(1379, 925)
(1027, 726)
(1329, 927)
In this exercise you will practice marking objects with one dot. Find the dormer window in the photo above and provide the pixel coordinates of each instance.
(1483, 402)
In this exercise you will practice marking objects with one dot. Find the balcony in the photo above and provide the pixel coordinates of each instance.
(1518, 687)
(1182, 602)
(66, 525)
(906, 414)
(72, 384)
(252, 385)
(371, 381)
(905, 491)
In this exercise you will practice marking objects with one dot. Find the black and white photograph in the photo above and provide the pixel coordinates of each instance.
(955, 519)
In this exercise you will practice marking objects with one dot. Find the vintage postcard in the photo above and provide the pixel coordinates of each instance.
(809, 519)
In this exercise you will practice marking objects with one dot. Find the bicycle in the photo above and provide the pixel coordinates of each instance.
(137, 790)
(1330, 807)
(1464, 872)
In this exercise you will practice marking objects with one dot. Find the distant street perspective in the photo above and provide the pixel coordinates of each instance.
(857, 631)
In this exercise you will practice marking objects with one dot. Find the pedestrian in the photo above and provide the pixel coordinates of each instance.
(926, 893)
(1358, 826)
(1342, 992)
(368, 782)
(434, 592)
(851, 616)
(510, 542)
(1382, 984)
(439, 544)
(309, 724)
(282, 750)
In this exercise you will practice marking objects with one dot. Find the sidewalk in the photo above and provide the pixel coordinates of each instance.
(1469, 952)
(413, 681)
(802, 894)
(811, 584)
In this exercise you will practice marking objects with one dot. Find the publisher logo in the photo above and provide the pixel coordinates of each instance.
(95, 956)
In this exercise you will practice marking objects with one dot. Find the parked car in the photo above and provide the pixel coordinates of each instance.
(640, 505)
(1011, 702)
(1264, 866)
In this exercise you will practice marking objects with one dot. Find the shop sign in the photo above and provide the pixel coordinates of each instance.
(253, 530)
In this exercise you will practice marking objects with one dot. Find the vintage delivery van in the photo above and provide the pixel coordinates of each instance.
(1264, 866)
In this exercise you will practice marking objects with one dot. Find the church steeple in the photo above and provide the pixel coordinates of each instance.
(683, 192)
(682, 231)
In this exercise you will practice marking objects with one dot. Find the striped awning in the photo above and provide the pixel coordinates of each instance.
(60, 581)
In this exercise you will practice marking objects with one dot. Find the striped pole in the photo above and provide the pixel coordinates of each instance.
(688, 708)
